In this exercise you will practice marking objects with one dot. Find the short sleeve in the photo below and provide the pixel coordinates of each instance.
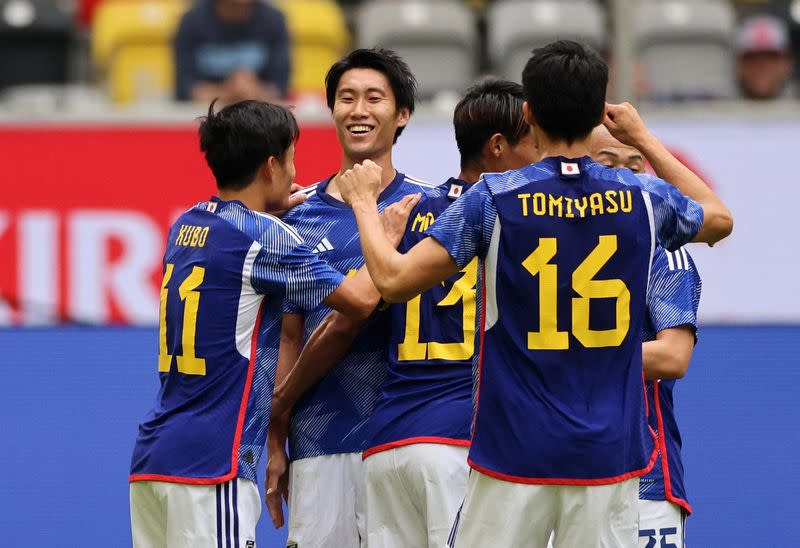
(675, 287)
(676, 217)
(465, 228)
(286, 267)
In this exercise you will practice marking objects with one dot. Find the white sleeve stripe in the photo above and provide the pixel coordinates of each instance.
(685, 259)
(678, 260)
(249, 304)
(290, 229)
(419, 182)
(670, 260)
(648, 204)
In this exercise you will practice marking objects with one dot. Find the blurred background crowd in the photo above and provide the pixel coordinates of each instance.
(84, 53)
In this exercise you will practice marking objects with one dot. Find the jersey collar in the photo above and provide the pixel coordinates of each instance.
(322, 191)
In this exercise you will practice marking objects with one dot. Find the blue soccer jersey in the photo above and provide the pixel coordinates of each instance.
(672, 301)
(227, 271)
(332, 417)
(428, 390)
(566, 246)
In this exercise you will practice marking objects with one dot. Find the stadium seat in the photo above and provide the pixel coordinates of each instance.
(686, 47)
(37, 38)
(515, 27)
(132, 45)
(319, 38)
(438, 39)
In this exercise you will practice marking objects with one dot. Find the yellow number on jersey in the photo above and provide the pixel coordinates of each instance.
(188, 362)
(412, 349)
(548, 337)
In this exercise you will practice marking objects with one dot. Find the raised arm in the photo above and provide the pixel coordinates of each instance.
(399, 277)
(625, 124)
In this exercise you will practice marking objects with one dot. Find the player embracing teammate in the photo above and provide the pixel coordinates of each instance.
(560, 435)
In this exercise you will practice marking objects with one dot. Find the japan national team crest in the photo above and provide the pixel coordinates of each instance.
(455, 190)
(569, 168)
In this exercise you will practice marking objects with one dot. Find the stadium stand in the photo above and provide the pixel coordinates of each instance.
(131, 45)
(438, 39)
(686, 48)
(36, 38)
(515, 27)
(319, 38)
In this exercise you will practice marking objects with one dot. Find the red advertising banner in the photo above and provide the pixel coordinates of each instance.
(85, 212)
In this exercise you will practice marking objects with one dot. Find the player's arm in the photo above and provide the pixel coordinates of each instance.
(625, 124)
(331, 340)
(672, 303)
(668, 356)
(276, 483)
(399, 277)
(357, 295)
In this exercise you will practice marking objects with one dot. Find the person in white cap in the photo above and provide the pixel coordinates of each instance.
(764, 62)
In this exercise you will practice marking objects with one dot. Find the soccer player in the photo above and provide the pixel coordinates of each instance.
(565, 245)
(227, 268)
(371, 94)
(669, 333)
(416, 456)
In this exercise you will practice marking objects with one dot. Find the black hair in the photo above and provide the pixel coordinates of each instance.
(240, 137)
(385, 61)
(565, 87)
(490, 106)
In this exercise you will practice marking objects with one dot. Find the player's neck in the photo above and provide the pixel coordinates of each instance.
(549, 148)
(250, 196)
(471, 173)
(384, 160)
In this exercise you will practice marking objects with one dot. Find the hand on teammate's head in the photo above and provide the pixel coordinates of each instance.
(625, 124)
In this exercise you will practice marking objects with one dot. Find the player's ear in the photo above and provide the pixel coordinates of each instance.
(527, 113)
(495, 145)
(270, 167)
(404, 117)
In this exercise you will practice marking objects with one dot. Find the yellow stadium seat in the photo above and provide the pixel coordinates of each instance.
(132, 45)
(319, 38)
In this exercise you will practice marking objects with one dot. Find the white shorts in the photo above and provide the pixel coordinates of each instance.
(661, 523)
(501, 513)
(326, 502)
(413, 494)
(176, 515)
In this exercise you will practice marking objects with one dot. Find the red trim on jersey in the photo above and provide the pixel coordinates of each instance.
(237, 437)
(566, 481)
(664, 458)
(412, 441)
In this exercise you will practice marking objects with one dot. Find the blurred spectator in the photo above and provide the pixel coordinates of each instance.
(764, 59)
(233, 50)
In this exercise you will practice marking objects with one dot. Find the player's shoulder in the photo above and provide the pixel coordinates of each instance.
(256, 226)
(515, 179)
(416, 184)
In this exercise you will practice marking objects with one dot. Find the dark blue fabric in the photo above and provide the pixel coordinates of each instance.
(208, 49)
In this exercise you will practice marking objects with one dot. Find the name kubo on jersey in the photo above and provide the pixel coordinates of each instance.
(227, 271)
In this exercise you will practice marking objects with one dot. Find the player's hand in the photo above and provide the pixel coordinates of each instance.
(625, 124)
(295, 199)
(276, 485)
(361, 183)
(394, 218)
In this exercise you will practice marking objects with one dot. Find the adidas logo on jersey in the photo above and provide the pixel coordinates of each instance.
(323, 246)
